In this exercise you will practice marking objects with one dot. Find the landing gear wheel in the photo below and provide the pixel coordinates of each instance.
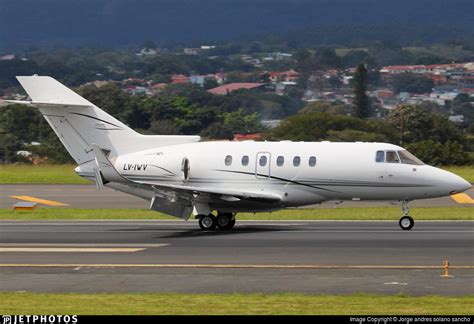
(225, 221)
(207, 222)
(406, 223)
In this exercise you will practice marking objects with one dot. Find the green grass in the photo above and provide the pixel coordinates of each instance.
(10, 174)
(231, 304)
(372, 213)
(466, 172)
(24, 173)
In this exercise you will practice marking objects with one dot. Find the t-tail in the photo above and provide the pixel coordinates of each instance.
(79, 123)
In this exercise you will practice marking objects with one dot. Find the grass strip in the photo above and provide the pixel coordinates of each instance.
(231, 304)
(24, 173)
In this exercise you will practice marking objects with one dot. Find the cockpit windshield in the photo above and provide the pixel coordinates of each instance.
(409, 158)
(402, 156)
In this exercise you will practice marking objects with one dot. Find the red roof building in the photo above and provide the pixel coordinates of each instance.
(290, 75)
(228, 88)
(247, 137)
(179, 78)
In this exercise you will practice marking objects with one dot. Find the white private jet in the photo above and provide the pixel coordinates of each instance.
(181, 176)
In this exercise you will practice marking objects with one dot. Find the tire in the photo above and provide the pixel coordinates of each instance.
(207, 222)
(223, 221)
(406, 223)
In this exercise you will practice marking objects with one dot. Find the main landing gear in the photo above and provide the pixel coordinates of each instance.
(223, 221)
(406, 222)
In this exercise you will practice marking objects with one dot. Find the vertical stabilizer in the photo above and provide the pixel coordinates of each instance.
(78, 123)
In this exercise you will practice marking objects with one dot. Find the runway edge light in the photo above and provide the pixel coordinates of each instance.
(446, 270)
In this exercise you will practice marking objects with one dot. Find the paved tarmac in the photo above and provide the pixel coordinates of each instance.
(88, 196)
(257, 256)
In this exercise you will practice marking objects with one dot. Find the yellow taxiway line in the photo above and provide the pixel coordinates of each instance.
(462, 198)
(40, 201)
(229, 266)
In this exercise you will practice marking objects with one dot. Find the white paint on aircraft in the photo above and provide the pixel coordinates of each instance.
(179, 175)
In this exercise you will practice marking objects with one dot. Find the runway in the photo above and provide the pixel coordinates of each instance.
(88, 196)
(258, 256)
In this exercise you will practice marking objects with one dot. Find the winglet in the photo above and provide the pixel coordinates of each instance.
(106, 168)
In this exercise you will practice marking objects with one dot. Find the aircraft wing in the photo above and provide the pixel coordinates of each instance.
(222, 193)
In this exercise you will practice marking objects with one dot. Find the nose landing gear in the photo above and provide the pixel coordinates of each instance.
(406, 222)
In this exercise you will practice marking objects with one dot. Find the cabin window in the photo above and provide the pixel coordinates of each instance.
(296, 161)
(280, 160)
(228, 160)
(263, 160)
(245, 160)
(312, 161)
(392, 157)
(409, 158)
(380, 156)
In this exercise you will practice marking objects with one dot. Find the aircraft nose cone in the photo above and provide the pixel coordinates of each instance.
(459, 184)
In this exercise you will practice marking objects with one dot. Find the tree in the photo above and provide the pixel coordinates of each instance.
(436, 153)
(351, 135)
(432, 137)
(361, 102)
(210, 83)
(335, 82)
(322, 106)
(415, 124)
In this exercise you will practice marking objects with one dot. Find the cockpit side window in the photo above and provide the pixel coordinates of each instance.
(392, 157)
(409, 158)
(380, 156)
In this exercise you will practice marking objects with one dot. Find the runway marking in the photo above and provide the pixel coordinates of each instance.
(39, 200)
(228, 266)
(70, 250)
(462, 198)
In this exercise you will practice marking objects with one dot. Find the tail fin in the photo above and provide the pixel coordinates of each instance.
(79, 123)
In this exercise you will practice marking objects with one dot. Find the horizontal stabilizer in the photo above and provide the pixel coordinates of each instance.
(46, 104)
(45, 89)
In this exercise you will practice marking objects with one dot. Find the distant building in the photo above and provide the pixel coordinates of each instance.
(228, 88)
(98, 83)
(179, 78)
(198, 79)
(247, 137)
(271, 123)
(288, 76)
(282, 87)
(7, 57)
(384, 94)
(192, 51)
(457, 119)
(148, 52)
(220, 77)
